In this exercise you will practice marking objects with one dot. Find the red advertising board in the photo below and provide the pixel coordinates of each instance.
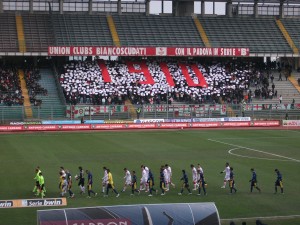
(11, 128)
(75, 127)
(236, 124)
(266, 123)
(144, 51)
(121, 126)
(41, 127)
(205, 124)
(109, 126)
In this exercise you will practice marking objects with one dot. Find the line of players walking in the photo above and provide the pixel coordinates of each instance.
(146, 181)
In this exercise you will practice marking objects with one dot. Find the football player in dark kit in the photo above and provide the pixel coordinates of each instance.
(134, 184)
(231, 181)
(254, 181)
(185, 183)
(162, 184)
(151, 183)
(202, 184)
(81, 180)
(278, 181)
(90, 184)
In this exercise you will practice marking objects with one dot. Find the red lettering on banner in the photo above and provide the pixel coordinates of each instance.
(167, 73)
(190, 82)
(145, 51)
(201, 79)
(144, 69)
(105, 73)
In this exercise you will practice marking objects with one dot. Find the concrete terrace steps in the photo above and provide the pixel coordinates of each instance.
(51, 104)
(284, 88)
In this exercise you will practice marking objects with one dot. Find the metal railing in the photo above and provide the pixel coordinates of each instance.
(266, 10)
(163, 111)
(75, 6)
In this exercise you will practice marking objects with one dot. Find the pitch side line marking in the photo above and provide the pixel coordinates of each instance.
(192, 213)
(264, 217)
(257, 138)
(253, 157)
(66, 217)
(252, 149)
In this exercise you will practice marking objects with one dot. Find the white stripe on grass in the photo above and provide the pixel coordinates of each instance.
(255, 150)
(230, 151)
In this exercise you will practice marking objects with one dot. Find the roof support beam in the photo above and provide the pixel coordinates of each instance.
(229, 8)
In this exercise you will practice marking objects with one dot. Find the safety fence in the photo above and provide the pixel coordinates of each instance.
(162, 111)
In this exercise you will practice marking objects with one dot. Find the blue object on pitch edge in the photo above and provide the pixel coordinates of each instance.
(93, 121)
(149, 214)
(60, 122)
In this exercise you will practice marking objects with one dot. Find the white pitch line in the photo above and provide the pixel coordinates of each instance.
(252, 149)
(253, 157)
(66, 217)
(258, 138)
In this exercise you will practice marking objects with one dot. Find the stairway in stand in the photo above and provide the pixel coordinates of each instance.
(284, 88)
(52, 106)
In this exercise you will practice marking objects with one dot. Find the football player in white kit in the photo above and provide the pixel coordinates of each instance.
(104, 180)
(144, 178)
(147, 175)
(227, 174)
(169, 175)
(166, 177)
(127, 179)
(195, 177)
(199, 171)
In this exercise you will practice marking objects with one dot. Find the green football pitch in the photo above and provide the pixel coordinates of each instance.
(263, 150)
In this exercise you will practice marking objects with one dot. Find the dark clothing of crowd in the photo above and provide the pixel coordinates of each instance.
(10, 90)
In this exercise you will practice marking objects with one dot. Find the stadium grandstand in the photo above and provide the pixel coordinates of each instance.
(65, 59)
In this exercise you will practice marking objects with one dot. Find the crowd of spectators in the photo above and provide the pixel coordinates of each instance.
(32, 76)
(83, 82)
(10, 90)
(264, 86)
